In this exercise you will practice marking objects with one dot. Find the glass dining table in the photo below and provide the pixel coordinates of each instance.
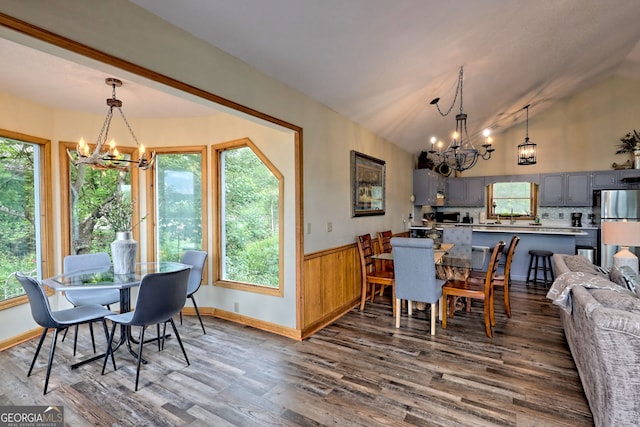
(104, 278)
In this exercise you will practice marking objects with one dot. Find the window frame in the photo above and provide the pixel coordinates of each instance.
(46, 210)
(151, 221)
(533, 201)
(218, 219)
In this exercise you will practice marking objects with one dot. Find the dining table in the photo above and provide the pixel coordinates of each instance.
(438, 254)
(105, 278)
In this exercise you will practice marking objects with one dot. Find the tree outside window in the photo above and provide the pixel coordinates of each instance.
(250, 218)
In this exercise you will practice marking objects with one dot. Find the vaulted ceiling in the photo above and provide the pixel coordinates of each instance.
(380, 62)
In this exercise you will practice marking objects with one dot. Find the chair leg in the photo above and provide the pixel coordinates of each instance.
(175, 330)
(64, 335)
(75, 339)
(197, 312)
(487, 318)
(181, 317)
(363, 298)
(507, 301)
(106, 334)
(398, 310)
(110, 349)
(445, 309)
(50, 362)
(140, 355)
(433, 318)
(93, 341)
(159, 337)
(35, 356)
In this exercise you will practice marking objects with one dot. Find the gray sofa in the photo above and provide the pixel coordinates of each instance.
(601, 322)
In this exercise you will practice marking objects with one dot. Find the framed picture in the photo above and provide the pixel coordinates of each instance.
(367, 185)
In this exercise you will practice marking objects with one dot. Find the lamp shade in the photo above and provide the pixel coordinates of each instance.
(621, 233)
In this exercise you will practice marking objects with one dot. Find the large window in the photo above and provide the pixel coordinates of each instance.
(250, 218)
(180, 215)
(512, 199)
(90, 193)
(23, 205)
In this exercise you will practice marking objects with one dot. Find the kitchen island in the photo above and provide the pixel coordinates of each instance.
(554, 239)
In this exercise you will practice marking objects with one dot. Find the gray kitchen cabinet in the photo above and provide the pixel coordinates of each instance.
(465, 191)
(602, 180)
(426, 184)
(565, 189)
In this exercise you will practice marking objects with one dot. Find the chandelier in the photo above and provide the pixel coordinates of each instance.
(527, 150)
(460, 154)
(105, 155)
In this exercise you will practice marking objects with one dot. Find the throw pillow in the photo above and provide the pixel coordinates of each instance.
(625, 277)
(580, 263)
(631, 277)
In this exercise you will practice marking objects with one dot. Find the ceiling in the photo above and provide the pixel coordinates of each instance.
(377, 62)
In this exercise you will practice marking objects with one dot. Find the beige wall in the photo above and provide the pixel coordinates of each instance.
(577, 134)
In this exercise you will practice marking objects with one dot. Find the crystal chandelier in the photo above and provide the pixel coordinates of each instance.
(105, 154)
(527, 150)
(460, 154)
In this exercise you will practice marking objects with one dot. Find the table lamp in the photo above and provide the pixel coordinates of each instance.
(623, 234)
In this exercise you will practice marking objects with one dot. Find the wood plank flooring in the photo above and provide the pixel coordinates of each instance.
(359, 371)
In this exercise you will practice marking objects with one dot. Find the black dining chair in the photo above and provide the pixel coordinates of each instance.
(196, 260)
(106, 297)
(160, 297)
(56, 320)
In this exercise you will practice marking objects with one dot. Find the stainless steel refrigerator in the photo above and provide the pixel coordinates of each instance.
(616, 205)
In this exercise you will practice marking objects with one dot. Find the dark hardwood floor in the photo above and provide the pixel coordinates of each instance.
(358, 371)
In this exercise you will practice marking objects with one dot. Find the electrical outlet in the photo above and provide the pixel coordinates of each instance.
(545, 216)
(236, 307)
(329, 227)
(561, 215)
(308, 228)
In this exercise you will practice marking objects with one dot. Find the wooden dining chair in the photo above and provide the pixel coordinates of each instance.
(384, 246)
(371, 277)
(502, 278)
(384, 241)
(482, 290)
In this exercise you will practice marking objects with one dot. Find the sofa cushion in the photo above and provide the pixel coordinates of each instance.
(580, 263)
(623, 300)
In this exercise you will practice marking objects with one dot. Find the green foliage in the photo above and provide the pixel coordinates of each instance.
(17, 214)
(251, 204)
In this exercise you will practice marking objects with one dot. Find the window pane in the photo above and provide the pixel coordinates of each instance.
(19, 213)
(250, 214)
(91, 192)
(178, 204)
(513, 198)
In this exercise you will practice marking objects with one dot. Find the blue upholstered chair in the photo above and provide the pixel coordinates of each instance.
(461, 238)
(81, 297)
(161, 296)
(57, 320)
(415, 275)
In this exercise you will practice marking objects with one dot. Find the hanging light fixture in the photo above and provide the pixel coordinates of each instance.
(105, 155)
(527, 150)
(460, 154)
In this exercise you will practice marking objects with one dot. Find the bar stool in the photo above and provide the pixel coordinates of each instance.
(542, 263)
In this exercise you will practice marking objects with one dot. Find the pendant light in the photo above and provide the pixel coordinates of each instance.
(527, 151)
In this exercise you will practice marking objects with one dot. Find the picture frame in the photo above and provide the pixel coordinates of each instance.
(368, 192)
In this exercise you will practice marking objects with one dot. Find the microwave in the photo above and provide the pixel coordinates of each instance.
(447, 216)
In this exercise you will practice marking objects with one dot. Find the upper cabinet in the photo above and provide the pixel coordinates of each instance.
(565, 189)
(465, 191)
(426, 185)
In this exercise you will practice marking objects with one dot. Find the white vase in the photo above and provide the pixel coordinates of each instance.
(124, 251)
(636, 159)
